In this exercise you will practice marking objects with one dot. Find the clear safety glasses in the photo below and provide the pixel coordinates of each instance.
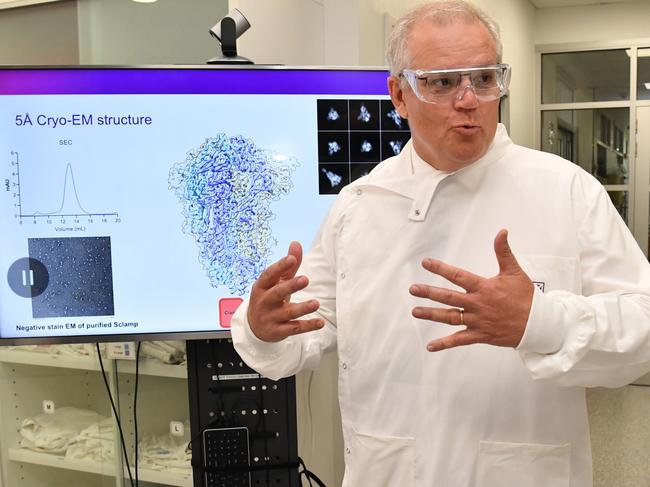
(438, 86)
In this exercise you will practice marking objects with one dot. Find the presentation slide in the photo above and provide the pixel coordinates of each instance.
(136, 214)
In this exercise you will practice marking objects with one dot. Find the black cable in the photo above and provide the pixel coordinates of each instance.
(308, 475)
(214, 422)
(302, 472)
(135, 408)
(117, 417)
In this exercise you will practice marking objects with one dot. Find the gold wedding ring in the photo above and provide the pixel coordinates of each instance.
(462, 321)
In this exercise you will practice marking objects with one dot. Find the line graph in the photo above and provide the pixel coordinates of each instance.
(70, 204)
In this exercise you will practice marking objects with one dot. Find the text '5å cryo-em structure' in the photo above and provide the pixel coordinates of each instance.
(226, 187)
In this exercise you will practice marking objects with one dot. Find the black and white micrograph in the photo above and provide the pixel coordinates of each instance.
(365, 147)
(364, 115)
(392, 143)
(332, 114)
(360, 170)
(390, 119)
(332, 178)
(80, 277)
(333, 147)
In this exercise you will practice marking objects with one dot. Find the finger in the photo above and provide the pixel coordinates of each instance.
(295, 249)
(275, 272)
(293, 311)
(457, 339)
(453, 274)
(440, 295)
(450, 316)
(507, 262)
(297, 327)
(284, 289)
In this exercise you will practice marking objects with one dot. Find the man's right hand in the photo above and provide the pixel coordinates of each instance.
(271, 314)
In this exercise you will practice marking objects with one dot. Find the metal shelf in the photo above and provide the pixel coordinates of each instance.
(107, 469)
(164, 477)
(153, 367)
(48, 360)
(147, 366)
(57, 461)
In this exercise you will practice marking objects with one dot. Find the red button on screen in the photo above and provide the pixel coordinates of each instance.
(227, 308)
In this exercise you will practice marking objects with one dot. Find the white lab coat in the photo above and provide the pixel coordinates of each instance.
(474, 416)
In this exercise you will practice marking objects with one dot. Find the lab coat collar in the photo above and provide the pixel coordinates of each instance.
(410, 176)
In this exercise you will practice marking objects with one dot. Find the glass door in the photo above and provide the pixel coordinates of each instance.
(600, 119)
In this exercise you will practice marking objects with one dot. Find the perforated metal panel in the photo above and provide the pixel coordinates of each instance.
(243, 425)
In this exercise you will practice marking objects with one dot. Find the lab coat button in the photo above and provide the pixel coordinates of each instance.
(347, 450)
(344, 366)
(417, 212)
(342, 275)
(359, 192)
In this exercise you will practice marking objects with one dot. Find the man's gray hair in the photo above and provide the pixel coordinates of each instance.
(440, 11)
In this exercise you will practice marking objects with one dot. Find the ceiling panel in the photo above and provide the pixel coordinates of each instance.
(571, 3)
(21, 3)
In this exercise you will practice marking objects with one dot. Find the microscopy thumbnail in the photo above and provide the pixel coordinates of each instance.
(359, 170)
(332, 114)
(365, 147)
(390, 119)
(80, 276)
(364, 114)
(332, 177)
(392, 143)
(333, 147)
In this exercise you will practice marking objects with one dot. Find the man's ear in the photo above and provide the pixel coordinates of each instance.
(397, 95)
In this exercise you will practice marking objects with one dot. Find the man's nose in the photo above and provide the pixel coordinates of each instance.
(466, 97)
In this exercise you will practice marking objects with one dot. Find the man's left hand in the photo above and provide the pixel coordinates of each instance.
(493, 310)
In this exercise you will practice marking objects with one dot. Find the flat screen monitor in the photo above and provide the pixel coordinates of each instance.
(142, 203)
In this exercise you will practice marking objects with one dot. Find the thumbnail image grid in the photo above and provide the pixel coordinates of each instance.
(355, 135)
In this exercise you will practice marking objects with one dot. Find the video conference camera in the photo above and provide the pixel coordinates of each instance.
(227, 31)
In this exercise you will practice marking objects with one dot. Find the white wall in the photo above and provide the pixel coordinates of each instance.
(43, 34)
(313, 32)
(516, 18)
(110, 32)
(593, 23)
(282, 31)
(164, 32)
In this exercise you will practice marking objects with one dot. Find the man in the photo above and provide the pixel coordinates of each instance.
(448, 377)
